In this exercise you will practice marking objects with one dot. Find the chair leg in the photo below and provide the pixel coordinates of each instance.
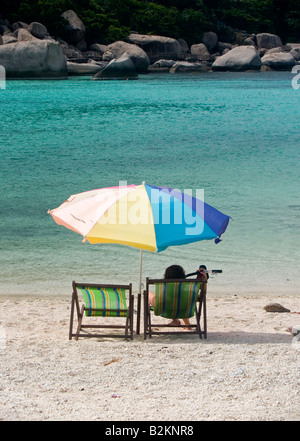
(145, 315)
(72, 316)
(198, 315)
(149, 320)
(138, 320)
(204, 317)
(79, 322)
(202, 313)
(129, 319)
(131, 316)
(145, 321)
(127, 325)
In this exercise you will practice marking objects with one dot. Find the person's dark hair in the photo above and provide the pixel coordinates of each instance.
(175, 272)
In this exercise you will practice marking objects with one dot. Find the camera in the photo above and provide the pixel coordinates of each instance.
(204, 269)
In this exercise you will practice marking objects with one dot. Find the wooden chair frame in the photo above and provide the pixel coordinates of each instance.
(200, 311)
(75, 304)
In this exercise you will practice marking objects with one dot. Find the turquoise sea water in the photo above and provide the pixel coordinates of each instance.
(234, 135)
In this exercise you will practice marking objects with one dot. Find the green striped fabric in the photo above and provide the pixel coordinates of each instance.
(176, 299)
(104, 298)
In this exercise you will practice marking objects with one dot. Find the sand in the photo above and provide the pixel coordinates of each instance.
(247, 369)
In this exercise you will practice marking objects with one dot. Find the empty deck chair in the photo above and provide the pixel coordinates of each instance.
(102, 301)
(175, 299)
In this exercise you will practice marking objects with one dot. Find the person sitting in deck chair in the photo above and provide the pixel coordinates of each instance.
(177, 272)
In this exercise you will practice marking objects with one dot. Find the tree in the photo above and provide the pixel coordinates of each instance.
(107, 20)
(292, 21)
(193, 24)
(156, 19)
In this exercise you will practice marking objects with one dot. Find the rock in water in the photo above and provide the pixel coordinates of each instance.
(83, 68)
(33, 59)
(184, 66)
(278, 61)
(121, 68)
(275, 307)
(200, 52)
(238, 59)
(138, 56)
(157, 47)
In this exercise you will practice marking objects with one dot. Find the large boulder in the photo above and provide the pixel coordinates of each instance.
(38, 30)
(210, 39)
(18, 25)
(84, 68)
(161, 66)
(75, 29)
(25, 35)
(121, 68)
(157, 47)
(137, 55)
(296, 53)
(184, 48)
(165, 64)
(268, 41)
(278, 61)
(238, 59)
(185, 66)
(33, 58)
(96, 47)
(200, 52)
(274, 50)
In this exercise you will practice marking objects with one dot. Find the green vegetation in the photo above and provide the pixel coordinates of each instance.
(109, 20)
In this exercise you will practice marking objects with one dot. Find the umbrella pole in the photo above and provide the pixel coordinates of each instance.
(141, 268)
(139, 294)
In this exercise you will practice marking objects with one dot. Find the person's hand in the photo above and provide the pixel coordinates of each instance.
(202, 273)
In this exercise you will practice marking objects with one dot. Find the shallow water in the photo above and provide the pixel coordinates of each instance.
(235, 135)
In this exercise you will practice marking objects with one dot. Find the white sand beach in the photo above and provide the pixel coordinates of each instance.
(247, 369)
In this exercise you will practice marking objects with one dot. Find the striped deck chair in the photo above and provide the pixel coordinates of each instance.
(175, 299)
(102, 301)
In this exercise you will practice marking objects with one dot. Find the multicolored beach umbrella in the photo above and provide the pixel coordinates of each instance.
(142, 216)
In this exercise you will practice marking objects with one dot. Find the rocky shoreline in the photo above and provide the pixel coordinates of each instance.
(28, 51)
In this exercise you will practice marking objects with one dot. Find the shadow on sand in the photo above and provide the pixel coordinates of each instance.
(225, 338)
